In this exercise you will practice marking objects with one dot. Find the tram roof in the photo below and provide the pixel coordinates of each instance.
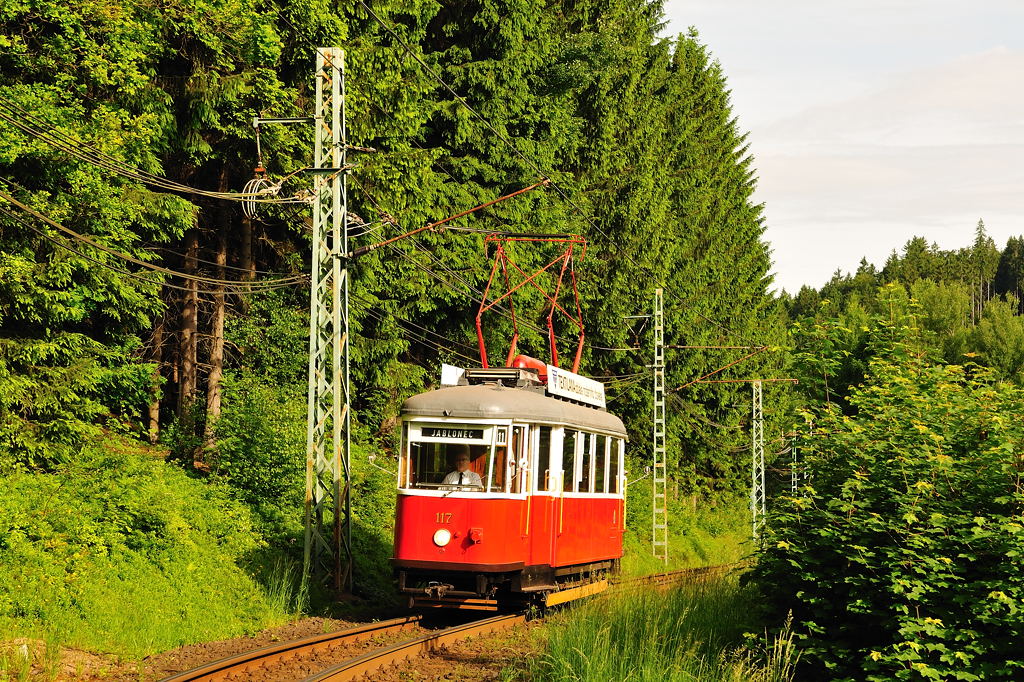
(494, 401)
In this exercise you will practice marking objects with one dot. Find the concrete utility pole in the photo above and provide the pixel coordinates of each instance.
(659, 495)
(328, 537)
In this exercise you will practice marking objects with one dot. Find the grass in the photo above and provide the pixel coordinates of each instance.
(696, 633)
(709, 533)
(123, 554)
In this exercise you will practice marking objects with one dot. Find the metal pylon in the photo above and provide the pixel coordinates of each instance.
(328, 537)
(794, 474)
(757, 490)
(659, 500)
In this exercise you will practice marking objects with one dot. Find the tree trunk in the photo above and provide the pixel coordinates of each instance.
(213, 393)
(248, 262)
(156, 357)
(189, 330)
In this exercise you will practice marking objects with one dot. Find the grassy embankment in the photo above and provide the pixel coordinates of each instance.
(697, 633)
(706, 632)
(702, 532)
(122, 553)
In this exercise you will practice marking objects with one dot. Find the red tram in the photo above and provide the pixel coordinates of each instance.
(511, 490)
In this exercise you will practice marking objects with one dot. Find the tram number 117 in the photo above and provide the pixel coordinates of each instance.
(443, 517)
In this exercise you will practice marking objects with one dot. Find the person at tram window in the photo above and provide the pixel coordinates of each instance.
(462, 474)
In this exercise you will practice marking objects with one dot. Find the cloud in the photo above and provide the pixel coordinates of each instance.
(970, 100)
(926, 153)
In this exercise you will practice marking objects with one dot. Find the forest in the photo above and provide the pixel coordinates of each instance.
(154, 335)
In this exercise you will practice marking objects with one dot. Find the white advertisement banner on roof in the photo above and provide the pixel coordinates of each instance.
(450, 374)
(562, 382)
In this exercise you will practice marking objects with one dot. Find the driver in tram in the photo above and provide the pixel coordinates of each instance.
(462, 474)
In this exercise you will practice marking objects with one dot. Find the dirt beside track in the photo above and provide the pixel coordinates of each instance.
(499, 656)
(478, 659)
(78, 665)
(174, 661)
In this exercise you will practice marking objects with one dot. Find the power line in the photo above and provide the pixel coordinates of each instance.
(370, 310)
(417, 326)
(700, 379)
(108, 266)
(89, 154)
(284, 281)
(472, 293)
(205, 261)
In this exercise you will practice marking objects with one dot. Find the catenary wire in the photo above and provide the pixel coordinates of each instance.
(284, 281)
(108, 266)
(89, 154)
(511, 145)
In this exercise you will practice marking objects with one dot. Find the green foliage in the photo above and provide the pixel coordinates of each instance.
(897, 561)
(999, 339)
(261, 442)
(703, 530)
(636, 129)
(589, 92)
(56, 393)
(119, 552)
(691, 633)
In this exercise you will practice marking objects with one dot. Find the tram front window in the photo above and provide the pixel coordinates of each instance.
(448, 466)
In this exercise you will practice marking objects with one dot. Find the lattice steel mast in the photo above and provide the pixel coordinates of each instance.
(757, 488)
(794, 475)
(328, 537)
(659, 495)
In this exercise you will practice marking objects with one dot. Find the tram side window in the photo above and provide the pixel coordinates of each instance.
(517, 475)
(568, 458)
(614, 475)
(433, 465)
(544, 459)
(403, 462)
(599, 463)
(585, 463)
(500, 470)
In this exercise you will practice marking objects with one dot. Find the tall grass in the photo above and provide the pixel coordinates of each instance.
(697, 633)
(120, 553)
(710, 532)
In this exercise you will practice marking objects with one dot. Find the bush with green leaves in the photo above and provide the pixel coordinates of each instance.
(260, 453)
(689, 633)
(120, 552)
(899, 560)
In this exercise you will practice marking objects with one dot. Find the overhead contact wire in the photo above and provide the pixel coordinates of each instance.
(73, 147)
(285, 281)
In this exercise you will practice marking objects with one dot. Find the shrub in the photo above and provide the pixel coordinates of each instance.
(693, 633)
(121, 552)
(898, 561)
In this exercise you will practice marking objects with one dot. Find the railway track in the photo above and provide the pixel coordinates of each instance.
(247, 661)
(396, 653)
(683, 575)
(237, 666)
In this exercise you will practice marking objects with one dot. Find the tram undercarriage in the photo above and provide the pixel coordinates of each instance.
(494, 588)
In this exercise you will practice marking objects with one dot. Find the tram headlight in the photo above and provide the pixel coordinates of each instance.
(442, 536)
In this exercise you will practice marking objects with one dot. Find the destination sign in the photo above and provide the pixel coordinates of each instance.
(569, 385)
(461, 434)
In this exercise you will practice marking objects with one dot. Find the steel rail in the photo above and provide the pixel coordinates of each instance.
(372, 661)
(682, 575)
(249, 660)
(396, 653)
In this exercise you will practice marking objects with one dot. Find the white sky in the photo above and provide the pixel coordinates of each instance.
(872, 121)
